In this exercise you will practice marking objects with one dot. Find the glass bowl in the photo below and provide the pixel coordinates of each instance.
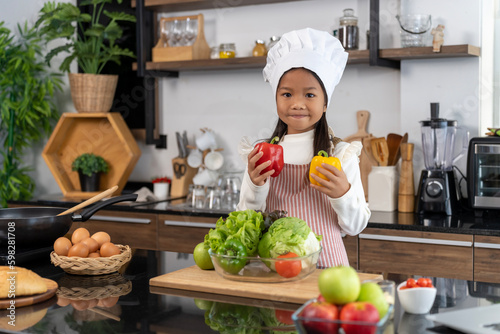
(334, 326)
(257, 269)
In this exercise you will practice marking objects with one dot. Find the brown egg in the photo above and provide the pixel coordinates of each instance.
(101, 238)
(79, 235)
(95, 254)
(91, 244)
(80, 250)
(109, 249)
(93, 303)
(109, 301)
(80, 305)
(62, 246)
(61, 301)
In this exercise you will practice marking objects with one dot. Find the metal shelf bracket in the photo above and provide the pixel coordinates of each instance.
(375, 60)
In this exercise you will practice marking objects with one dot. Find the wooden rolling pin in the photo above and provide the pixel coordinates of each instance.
(406, 194)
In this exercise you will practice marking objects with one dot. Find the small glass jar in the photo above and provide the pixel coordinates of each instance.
(348, 30)
(273, 41)
(259, 49)
(227, 50)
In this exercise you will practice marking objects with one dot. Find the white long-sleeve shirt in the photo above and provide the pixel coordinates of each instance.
(352, 210)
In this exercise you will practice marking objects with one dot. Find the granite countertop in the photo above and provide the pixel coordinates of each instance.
(465, 222)
(177, 311)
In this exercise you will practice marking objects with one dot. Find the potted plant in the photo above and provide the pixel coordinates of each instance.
(161, 187)
(91, 43)
(27, 110)
(89, 167)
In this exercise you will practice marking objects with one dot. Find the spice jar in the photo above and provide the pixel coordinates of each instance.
(348, 30)
(227, 50)
(273, 41)
(259, 49)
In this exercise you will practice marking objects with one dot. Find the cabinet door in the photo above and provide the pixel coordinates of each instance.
(487, 259)
(416, 253)
(182, 233)
(351, 247)
(138, 230)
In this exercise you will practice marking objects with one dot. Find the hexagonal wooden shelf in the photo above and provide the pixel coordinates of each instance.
(104, 134)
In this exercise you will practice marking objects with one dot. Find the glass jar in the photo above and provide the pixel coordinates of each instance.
(227, 50)
(348, 30)
(273, 41)
(259, 50)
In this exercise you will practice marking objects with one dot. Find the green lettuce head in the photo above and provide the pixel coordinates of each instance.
(288, 234)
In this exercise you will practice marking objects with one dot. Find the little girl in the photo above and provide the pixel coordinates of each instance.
(303, 70)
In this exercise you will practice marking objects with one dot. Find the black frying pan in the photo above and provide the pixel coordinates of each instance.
(38, 227)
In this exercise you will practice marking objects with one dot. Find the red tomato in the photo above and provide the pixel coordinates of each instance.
(411, 283)
(284, 316)
(288, 268)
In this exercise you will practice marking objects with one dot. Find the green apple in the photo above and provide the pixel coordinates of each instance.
(203, 304)
(372, 292)
(201, 257)
(339, 285)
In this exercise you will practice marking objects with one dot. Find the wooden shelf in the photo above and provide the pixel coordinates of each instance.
(186, 5)
(355, 57)
(104, 134)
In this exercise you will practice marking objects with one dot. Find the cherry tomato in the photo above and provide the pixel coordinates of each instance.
(288, 268)
(284, 316)
(411, 283)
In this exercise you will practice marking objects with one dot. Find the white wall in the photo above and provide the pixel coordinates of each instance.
(238, 102)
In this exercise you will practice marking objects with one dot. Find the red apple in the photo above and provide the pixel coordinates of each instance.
(362, 312)
(321, 298)
(323, 311)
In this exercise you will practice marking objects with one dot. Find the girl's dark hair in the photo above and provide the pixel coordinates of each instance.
(321, 136)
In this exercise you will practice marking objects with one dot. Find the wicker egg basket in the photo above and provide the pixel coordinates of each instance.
(98, 287)
(92, 266)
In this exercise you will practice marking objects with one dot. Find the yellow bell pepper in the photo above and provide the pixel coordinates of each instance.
(322, 157)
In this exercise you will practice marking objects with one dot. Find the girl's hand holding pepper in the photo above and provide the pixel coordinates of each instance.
(336, 185)
(255, 170)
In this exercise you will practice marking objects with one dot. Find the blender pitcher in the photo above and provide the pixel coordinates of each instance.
(437, 191)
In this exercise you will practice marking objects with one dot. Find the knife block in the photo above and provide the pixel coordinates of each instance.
(406, 194)
(181, 181)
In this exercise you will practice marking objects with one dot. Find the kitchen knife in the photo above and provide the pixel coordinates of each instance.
(179, 145)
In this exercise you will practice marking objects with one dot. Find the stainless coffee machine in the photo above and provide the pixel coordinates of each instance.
(437, 190)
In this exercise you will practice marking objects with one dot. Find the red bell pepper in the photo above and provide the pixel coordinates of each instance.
(273, 152)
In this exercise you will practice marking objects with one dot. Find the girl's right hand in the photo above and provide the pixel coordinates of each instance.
(254, 170)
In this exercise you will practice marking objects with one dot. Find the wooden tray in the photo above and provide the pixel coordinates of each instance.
(195, 279)
(104, 134)
(34, 299)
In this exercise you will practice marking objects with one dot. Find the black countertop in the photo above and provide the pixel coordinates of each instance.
(176, 311)
(465, 222)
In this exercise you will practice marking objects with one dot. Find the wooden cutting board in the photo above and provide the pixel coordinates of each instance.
(195, 279)
(365, 165)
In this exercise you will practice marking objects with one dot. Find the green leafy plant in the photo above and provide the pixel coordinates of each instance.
(89, 163)
(27, 111)
(92, 48)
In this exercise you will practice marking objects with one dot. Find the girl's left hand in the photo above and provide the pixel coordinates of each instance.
(336, 185)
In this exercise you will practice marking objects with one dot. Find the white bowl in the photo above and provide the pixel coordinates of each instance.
(416, 300)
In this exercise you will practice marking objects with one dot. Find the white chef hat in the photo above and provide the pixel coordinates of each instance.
(315, 50)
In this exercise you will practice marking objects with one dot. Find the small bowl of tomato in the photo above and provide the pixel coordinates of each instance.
(285, 268)
(417, 296)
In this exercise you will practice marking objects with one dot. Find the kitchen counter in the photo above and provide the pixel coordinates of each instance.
(462, 223)
(145, 310)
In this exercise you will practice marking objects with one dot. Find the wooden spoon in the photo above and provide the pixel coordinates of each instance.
(367, 147)
(393, 143)
(380, 150)
(91, 200)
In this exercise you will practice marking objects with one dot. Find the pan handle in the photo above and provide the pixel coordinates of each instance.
(89, 212)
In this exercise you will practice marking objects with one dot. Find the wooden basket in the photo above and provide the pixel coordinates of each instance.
(199, 50)
(92, 92)
(87, 288)
(92, 266)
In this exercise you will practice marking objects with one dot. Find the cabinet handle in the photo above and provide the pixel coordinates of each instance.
(416, 240)
(486, 245)
(188, 224)
(121, 219)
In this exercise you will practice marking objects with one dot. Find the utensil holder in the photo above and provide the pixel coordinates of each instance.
(383, 188)
(198, 50)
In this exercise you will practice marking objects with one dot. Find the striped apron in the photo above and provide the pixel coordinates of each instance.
(290, 191)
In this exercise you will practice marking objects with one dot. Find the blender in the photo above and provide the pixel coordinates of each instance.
(437, 190)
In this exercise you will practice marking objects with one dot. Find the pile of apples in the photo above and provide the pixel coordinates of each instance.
(84, 245)
(344, 299)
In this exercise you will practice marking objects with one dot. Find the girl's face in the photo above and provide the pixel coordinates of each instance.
(300, 100)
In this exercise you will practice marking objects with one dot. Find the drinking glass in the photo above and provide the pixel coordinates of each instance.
(191, 31)
(168, 30)
(198, 197)
(179, 28)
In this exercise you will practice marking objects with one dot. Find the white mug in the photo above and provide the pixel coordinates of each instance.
(195, 158)
(206, 141)
(214, 160)
(205, 177)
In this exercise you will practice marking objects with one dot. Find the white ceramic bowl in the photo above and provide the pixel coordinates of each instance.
(416, 300)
